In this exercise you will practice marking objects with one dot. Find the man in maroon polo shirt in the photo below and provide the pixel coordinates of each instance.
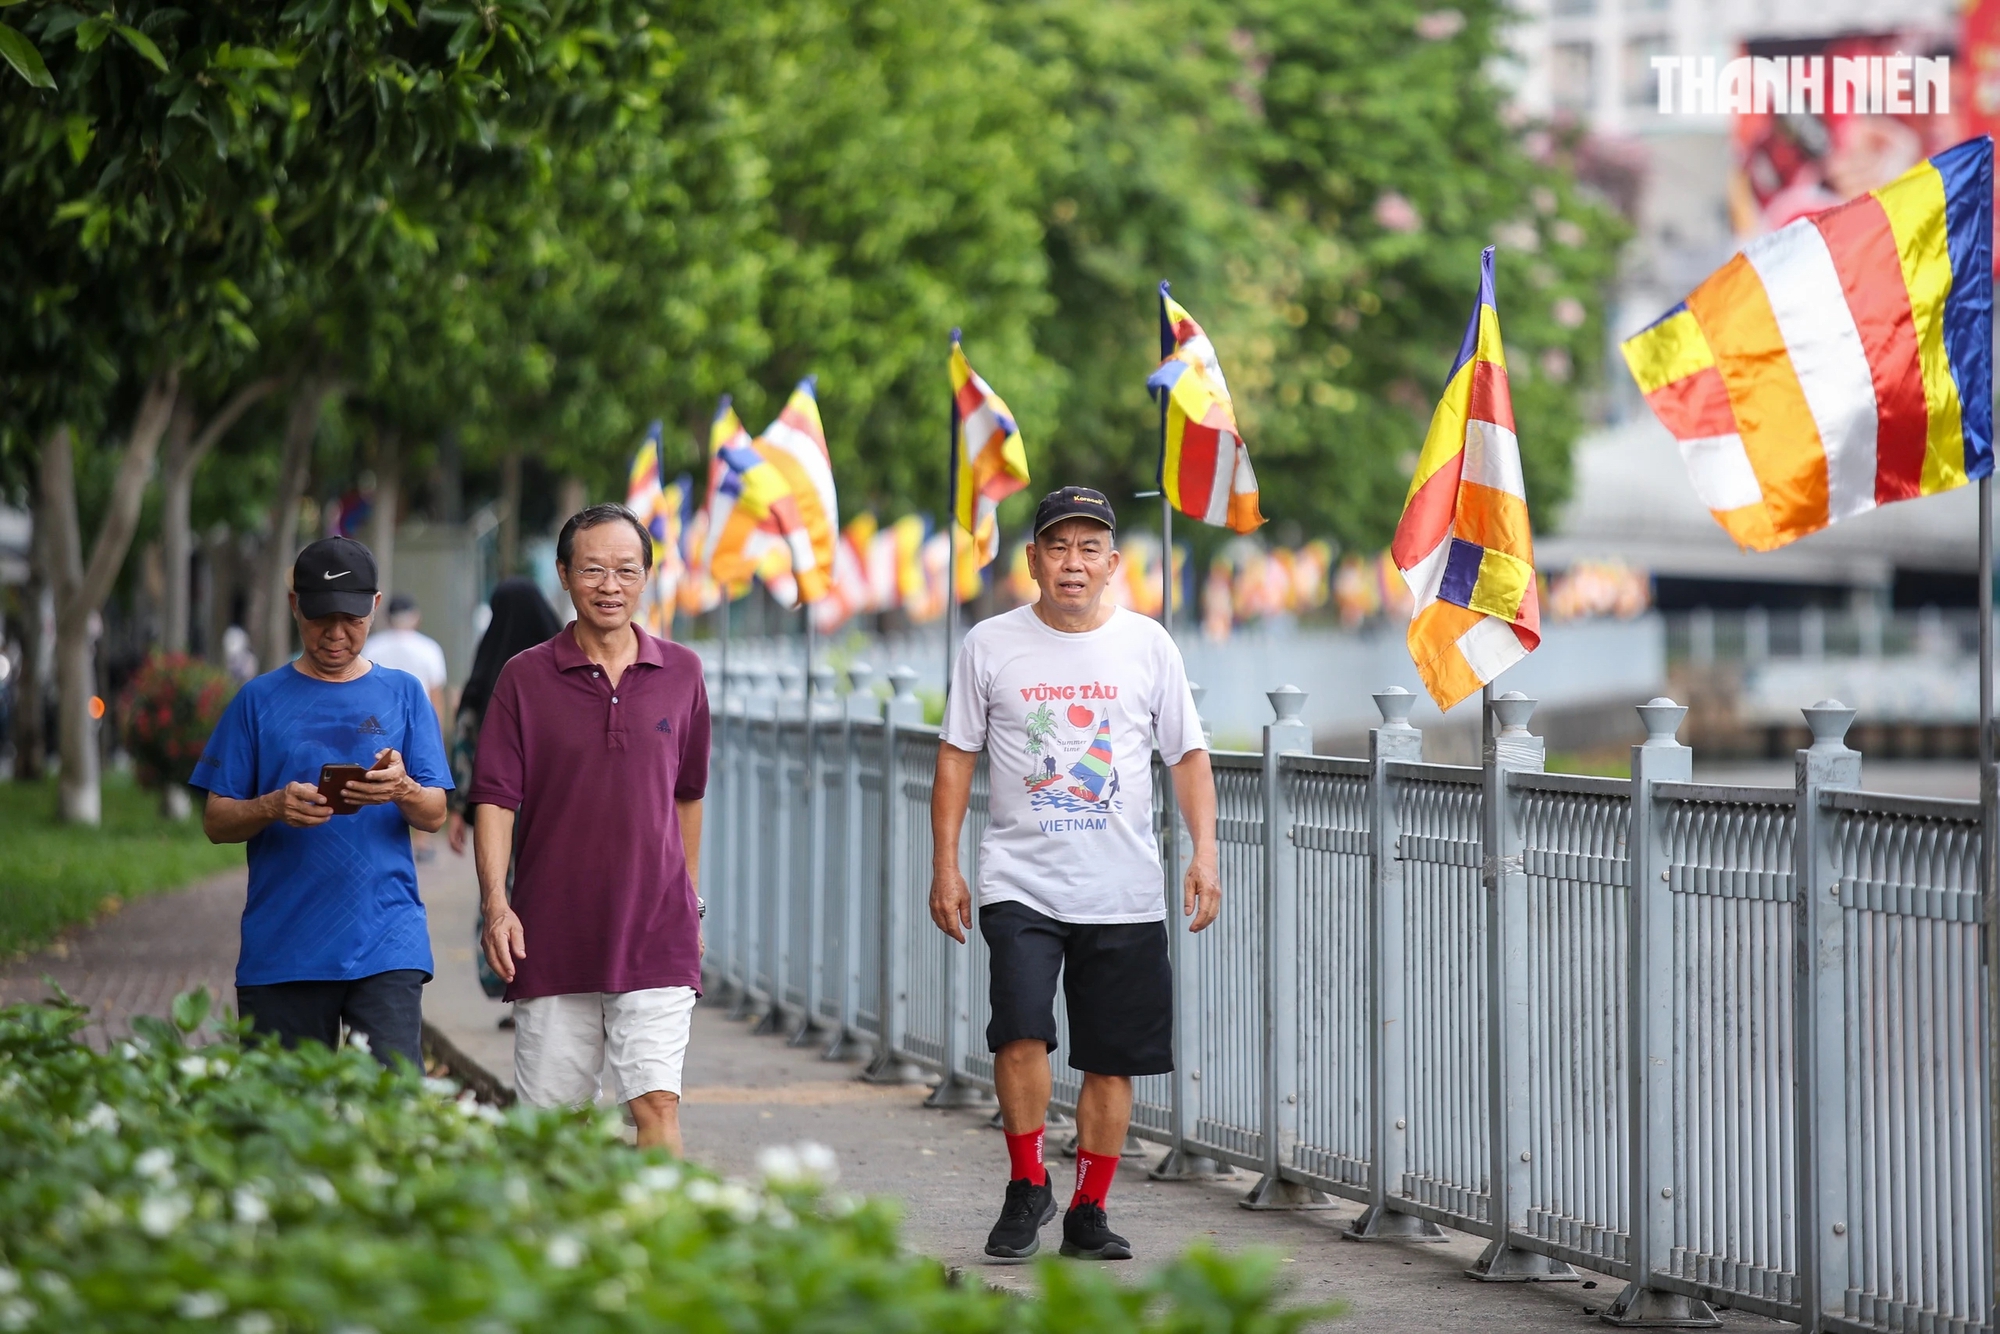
(588, 741)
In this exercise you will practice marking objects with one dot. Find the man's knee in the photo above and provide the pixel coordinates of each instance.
(658, 1105)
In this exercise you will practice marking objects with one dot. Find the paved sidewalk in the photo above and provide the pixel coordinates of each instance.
(744, 1092)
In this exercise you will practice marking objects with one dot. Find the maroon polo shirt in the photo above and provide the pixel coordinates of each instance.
(592, 772)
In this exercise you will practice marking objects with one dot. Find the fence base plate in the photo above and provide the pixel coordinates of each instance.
(770, 1023)
(1501, 1263)
(953, 1093)
(888, 1068)
(845, 1047)
(1277, 1193)
(1180, 1165)
(1381, 1224)
(1649, 1308)
(808, 1035)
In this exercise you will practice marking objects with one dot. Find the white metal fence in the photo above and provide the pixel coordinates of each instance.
(1724, 1043)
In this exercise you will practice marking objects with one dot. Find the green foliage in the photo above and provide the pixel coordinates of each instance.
(54, 875)
(170, 707)
(170, 1186)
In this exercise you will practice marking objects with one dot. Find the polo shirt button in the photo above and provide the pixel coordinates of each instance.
(593, 676)
(614, 699)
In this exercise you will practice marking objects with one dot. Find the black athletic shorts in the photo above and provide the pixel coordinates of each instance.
(388, 1007)
(1115, 975)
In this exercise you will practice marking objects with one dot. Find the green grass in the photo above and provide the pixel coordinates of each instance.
(54, 875)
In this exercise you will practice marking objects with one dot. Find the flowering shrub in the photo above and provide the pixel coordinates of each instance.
(171, 705)
(239, 1187)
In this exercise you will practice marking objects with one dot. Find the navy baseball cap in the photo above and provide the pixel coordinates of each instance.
(334, 574)
(1074, 502)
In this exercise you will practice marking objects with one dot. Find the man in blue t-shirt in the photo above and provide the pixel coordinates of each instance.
(333, 930)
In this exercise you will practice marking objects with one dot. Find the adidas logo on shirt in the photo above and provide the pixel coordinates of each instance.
(664, 725)
(370, 727)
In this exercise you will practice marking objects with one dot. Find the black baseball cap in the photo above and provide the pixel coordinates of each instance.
(1074, 502)
(334, 574)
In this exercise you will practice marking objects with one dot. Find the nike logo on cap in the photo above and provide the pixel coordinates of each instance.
(335, 574)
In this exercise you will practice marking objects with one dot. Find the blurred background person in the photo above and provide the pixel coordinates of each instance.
(521, 619)
(407, 649)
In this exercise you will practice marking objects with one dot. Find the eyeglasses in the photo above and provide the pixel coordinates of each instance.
(595, 576)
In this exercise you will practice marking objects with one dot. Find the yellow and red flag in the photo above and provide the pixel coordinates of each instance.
(795, 444)
(1464, 543)
(753, 511)
(1204, 464)
(1840, 363)
(988, 460)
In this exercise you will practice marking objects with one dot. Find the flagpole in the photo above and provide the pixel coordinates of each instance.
(951, 539)
(1989, 883)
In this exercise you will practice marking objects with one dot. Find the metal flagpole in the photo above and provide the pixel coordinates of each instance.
(951, 541)
(1989, 890)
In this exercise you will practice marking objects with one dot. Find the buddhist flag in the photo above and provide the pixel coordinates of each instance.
(795, 444)
(663, 508)
(988, 460)
(1463, 544)
(752, 509)
(1204, 464)
(1840, 363)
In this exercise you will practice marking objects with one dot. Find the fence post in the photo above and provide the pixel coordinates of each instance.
(1394, 742)
(1649, 1010)
(1508, 749)
(1820, 1013)
(904, 710)
(820, 705)
(1279, 949)
(778, 861)
(750, 852)
(1180, 1163)
(861, 707)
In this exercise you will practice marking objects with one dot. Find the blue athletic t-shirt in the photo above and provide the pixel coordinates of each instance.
(338, 901)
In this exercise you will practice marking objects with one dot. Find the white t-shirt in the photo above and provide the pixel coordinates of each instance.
(1067, 722)
(409, 651)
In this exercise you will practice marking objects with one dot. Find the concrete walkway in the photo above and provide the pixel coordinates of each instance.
(745, 1092)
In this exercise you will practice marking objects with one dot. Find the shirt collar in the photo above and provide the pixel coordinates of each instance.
(569, 656)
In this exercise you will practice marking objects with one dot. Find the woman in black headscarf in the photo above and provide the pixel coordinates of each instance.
(522, 618)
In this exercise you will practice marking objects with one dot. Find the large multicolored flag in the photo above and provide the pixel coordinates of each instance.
(664, 508)
(795, 444)
(988, 460)
(1840, 363)
(752, 510)
(1464, 544)
(1204, 464)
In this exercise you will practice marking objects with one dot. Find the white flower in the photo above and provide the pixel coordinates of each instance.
(128, 1052)
(194, 1067)
(320, 1189)
(255, 1322)
(359, 1041)
(161, 1214)
(249, 1205)
(201, 1305)
(16, 1312)
(154, 1163)
(371, 1174)
(659, 1178)
(564, 1252)
(443, 1088)
(102, 1118)
(801, 1164)
(10, 1282)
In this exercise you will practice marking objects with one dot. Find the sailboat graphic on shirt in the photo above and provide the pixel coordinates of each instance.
(1096, 780)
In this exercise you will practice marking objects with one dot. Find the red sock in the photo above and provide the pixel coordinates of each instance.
(1024, 1156)
(1094, 1174)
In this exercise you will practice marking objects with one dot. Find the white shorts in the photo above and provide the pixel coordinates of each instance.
(561, 1043)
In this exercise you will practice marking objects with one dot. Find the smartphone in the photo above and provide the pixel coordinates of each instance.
(333, 781)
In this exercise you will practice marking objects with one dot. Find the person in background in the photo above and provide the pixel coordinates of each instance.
(521, 619)
(408, 649)
(333, 928)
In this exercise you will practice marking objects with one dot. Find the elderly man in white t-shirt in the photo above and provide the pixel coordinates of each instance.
(1067, 697)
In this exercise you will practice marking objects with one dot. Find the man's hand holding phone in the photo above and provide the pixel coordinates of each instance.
(387, 781)
(301, 806)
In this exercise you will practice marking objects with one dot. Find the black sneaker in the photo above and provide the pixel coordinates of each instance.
(1018, 1234)
(1087, 1235)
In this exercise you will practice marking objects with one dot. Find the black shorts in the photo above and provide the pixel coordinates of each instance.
(388, 1007)
(1116, 977)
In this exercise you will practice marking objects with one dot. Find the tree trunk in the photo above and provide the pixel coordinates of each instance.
(81, 589)
(185, 452)
(30, 739)
(274, 629)
(448, 487)
(571, 496)
(174, 801)
(510, 512)
(388, 501)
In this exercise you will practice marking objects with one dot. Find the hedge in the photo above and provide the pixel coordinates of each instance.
(192, 1179)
